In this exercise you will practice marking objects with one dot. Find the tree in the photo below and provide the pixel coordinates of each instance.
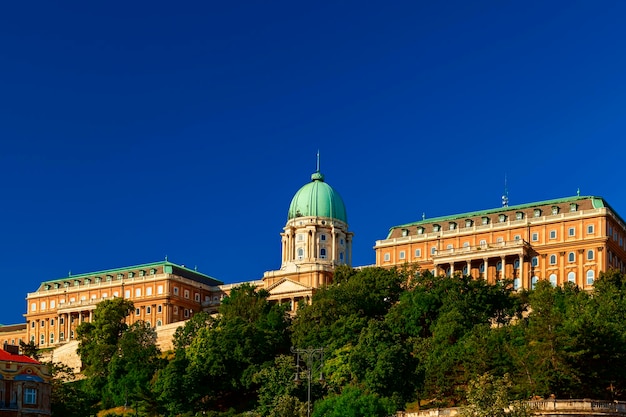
(29, 349)
(278, 393)
(488, 396)
(98, 339)
(130, 371)
(354, 402)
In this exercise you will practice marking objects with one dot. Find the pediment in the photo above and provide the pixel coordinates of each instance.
(287, 286)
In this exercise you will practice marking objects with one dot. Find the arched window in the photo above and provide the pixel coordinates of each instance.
(533, 282)
(499, 266)
(516, 264)
(590, 255)
(534, 261)
(481, 268)
(571, 277)
(552, 259)
(323, 253)
(553, 279)
(300, 253)
(590, 277)
(517, 283)
(465, 270)
(571, 257)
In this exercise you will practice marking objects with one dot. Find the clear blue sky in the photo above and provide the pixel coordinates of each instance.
(135, 130)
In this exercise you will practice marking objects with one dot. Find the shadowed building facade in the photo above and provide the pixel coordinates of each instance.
(562, 240)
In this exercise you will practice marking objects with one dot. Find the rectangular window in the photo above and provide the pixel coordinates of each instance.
(137, 312)
(197, 297)
(418, 253)
(137, 292)
(590, 229)
(43, 305)
(571, 231)
(552, 234)
(517, 237)
(160, 289)
(52, 304)
(535, 237)
(127, 293)
(402, 254)
(186, 293)
(386, 257)
(30, 396)
(175, 290)
(186, 313)
(52, 338)
(33, 307)
(149, 291)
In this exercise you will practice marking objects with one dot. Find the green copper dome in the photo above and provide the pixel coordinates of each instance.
(318, 199)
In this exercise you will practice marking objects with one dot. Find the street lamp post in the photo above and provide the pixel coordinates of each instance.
(313, 359)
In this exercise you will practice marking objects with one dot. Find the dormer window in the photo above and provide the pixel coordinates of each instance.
(76, 282)
(485, 220)
(109, 277)
(469, 223)
(152, 271)
(66, 284)
(98, 279)
(405, 232)
(56, 285)
(555, 209)
(131, 274)
(573, 207)
(537, 212)
(46, 287)
(436, 227)
(420, 230)
(87, 280)
(502, 218)
(120, 276)
(519, 215)
(452, 226)
(142, 272)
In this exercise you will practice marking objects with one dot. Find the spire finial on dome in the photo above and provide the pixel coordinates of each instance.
(318, 161)
(317, 175)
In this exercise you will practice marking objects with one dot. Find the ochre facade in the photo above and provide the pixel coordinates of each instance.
(562, 240)
(162, 293)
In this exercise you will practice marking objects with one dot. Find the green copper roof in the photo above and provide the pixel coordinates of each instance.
(317, 199)
(170, 267)
(597, 202)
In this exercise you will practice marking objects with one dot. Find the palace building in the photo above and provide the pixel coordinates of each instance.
(162, 293)
(314, 241)
(563, 240)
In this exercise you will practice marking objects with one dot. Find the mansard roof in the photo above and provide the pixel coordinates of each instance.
(594, 201)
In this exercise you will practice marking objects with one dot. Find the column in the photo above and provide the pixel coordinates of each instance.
(486, 266)
(561, 278)
(333, 249)
(503, 269)
(469, 267)
(451, 269)
(580, 274)
(521, 271)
